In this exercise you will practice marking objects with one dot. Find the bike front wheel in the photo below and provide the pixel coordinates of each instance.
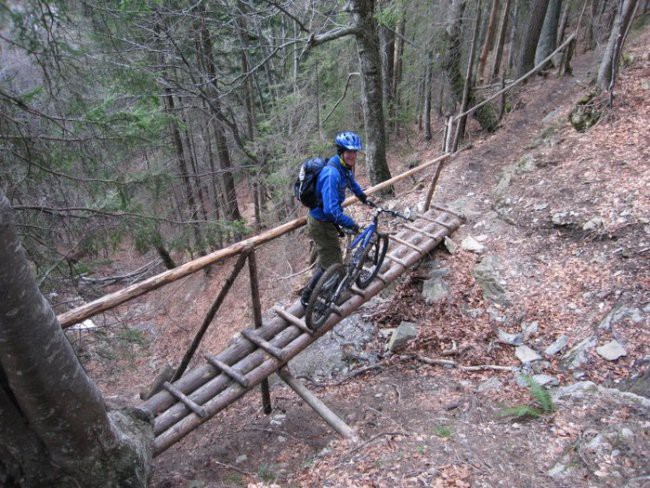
(374, 256)
(324, 296)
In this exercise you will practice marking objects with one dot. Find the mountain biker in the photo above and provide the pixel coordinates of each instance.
(323, 222)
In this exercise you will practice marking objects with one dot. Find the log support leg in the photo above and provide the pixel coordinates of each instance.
(319, 407)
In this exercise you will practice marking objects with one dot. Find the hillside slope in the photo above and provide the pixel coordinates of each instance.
(562, 219)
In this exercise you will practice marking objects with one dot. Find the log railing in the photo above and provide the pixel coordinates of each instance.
(112, 300)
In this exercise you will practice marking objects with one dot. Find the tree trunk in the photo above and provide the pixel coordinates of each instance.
(387, 50)
(609, 65)
(54, 427)
(489, 38)
(397, 70)
(531, 36)
(501, 37)
(451, 66)
(426, 110)
(511, 38)
(232, 206)
(548, 36)
(182, 167)
(368, 48)
(460, 128)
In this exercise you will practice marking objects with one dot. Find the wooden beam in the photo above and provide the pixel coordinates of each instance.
(319, 407)
(227, 370)
(257, 314)
(406, 243)
(292, 319)
(193, 406)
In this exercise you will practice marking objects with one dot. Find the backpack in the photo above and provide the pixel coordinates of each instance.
(304, 188)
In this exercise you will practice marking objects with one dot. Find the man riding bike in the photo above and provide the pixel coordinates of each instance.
(323, 222)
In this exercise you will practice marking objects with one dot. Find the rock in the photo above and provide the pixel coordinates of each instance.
(611, 351)
(559, 344)
(526, 355)
(593, 224)
(545, 379)
(540, 206)
(404, 333)
(434, 291)
(486, 276)
(540, 366)
(619, 313)
(511, 339)
(529, 329)
(489, 384)
(577, 355)
(241, 459)
(564, 219)
(450, 245)
(472, 245)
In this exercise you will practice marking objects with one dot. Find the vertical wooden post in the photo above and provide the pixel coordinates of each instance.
(432, 187)
(257, 314)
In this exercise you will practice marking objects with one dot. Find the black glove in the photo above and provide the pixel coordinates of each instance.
(355, 228)
(363, 198)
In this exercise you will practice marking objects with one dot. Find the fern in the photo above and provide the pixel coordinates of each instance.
(541, 397)
(521, 411)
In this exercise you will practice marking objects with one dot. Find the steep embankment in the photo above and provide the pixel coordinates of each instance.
(556, 284)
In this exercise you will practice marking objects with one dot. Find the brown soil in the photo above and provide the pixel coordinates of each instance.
(424, 425)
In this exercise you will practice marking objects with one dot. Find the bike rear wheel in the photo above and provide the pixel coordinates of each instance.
(323, 297)
(375, 253)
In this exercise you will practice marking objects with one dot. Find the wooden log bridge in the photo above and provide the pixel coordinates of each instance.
(258, 352)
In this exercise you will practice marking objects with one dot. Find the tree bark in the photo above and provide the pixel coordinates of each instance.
(531, 36)
(232, 206)
(609, 65)
(498, 54)
(368, 48)
(397, 69)
(451, 66)
(54, 427)
(426, 109)
(489, 38)
(548, 36)
(460, 128)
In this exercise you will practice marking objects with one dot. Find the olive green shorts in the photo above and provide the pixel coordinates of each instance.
(326, 240)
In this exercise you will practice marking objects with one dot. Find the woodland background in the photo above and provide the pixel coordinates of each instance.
(177, 127)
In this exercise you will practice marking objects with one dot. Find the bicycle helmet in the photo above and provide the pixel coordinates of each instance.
(349, 141)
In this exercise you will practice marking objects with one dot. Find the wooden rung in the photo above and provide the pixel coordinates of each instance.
(194, 407)
(336, 310)
(227, 370)
(276, 352)
(397, 260)
(436, 221)
(292, 319)
(357, 291)
(443, 209)
(420, 231)
(381, 278)
(407, 244)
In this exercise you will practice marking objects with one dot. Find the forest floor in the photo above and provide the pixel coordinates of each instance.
(563, 218)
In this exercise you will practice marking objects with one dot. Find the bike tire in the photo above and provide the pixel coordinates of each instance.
(375, 253)
(322, 298)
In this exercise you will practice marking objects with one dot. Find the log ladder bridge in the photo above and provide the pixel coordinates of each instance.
(191, 398)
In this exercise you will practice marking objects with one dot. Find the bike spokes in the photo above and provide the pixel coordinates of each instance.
(324, 296)
(373, 259)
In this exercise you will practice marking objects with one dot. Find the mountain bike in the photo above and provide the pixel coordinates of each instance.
(364, 257)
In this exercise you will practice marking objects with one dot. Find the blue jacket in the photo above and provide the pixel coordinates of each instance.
(332, 181)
